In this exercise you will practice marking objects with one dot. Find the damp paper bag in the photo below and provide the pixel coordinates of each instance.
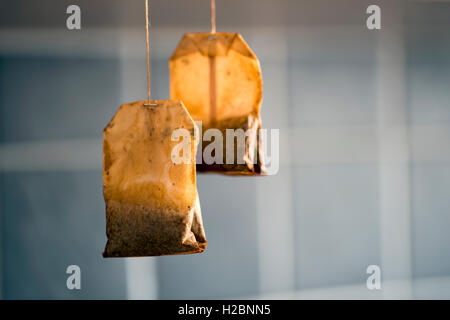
(152, 205)
(218, 78)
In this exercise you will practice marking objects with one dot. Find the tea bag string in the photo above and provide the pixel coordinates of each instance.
(212, 68)
(213, 16)
(147, 37)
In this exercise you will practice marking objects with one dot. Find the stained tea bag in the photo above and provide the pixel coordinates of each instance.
(152, 205)
(218, 78)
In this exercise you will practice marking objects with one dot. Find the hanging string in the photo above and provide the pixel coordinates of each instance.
(213, 16)
(147, 24)
(212, 67)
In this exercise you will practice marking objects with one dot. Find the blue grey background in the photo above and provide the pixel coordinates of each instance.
(320, 67)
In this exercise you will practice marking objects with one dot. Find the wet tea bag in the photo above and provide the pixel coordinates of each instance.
(218, 78)
(152, 205)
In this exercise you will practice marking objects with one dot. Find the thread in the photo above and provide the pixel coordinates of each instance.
(147, 38)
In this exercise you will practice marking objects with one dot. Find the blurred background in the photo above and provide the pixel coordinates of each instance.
(364, 119)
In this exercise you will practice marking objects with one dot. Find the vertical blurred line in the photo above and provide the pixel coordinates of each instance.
(141, 279)
(394, 154)
(276, 252)
(1, 230)
(141, 274)
(2, 138)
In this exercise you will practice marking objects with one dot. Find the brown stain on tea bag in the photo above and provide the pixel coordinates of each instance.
(152, 205)
(218, 78)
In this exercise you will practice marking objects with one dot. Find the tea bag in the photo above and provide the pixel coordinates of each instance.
(218, 78)
(152, 205)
